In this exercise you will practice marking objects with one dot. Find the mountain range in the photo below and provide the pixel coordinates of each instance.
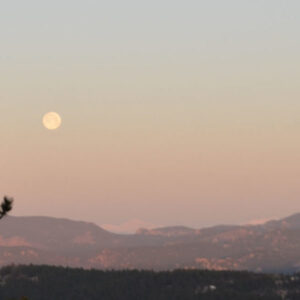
(273, 246)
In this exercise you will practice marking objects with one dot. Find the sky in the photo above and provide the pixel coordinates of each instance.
(173, 112)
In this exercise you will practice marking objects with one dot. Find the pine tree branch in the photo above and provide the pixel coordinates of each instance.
(6, 206)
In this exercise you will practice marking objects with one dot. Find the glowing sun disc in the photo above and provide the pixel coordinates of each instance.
(52, 120)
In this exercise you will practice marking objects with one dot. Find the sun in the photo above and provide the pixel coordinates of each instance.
(52, 120)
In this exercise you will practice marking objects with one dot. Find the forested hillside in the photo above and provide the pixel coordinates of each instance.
(49, 283)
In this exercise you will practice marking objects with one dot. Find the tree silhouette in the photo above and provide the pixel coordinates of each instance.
(6, 206)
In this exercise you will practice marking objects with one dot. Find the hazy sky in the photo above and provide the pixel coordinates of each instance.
(174, 112)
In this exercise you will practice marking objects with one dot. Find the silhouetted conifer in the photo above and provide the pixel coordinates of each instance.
(6, 206)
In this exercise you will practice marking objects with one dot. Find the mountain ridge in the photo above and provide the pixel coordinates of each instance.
(274, 245)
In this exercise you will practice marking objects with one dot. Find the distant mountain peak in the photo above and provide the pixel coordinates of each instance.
(129, 227)
(168, 231)
(260, 221)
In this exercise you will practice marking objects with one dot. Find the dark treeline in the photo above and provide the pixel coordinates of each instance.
(47, 282)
